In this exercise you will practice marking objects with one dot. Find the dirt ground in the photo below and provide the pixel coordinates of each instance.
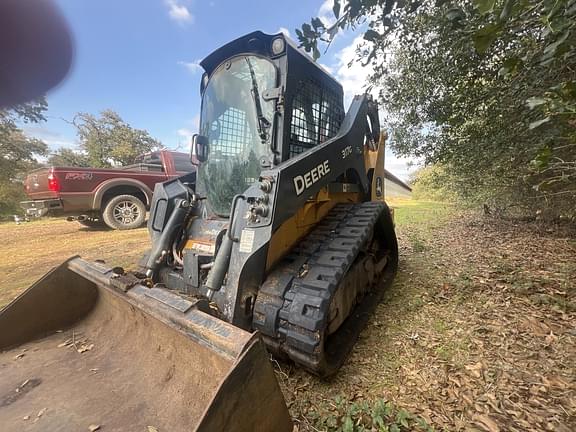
(29, 250)
(477, 333)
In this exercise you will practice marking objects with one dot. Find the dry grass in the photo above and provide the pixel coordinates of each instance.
(477, 332)
(29, 250)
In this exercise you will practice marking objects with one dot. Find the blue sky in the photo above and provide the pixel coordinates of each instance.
(139, 58)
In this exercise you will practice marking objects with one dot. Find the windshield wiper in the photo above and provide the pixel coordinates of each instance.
(263, 123)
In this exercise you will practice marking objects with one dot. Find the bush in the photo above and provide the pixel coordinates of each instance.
(10, 196)
(433, 183)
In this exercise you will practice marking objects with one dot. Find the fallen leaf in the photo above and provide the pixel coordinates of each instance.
(40, 414)
(487, 422)
(66, 343)
(93, 427)
(152, 429)
(454, 380)
(475, 369)
(85, 348)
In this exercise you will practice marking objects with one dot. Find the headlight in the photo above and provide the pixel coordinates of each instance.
(278, 46)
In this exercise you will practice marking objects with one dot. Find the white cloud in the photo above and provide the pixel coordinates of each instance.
(325, 12)
(193, 66)
(196, 121)
(399, 166)
(185, 132)
(178, 11)
(285, 31)
(40, 132)
(57, 143)
(53, 139)
(353, 78)
(329, 69)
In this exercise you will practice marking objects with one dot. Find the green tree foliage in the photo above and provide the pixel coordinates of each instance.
(68, 157)
(18, 152)
(434, 183)
(108, 140)
(485, 87)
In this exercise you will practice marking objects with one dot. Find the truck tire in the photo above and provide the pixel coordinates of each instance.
(124, 212)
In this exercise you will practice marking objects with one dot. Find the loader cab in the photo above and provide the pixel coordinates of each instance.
(264, 101)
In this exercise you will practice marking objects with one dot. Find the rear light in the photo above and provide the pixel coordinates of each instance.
(53, 183)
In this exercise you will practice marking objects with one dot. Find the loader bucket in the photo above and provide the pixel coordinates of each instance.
(84, 347)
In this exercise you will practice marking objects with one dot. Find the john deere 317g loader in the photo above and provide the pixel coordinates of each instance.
(282, 241)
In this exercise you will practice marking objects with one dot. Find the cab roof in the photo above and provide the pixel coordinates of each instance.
(257, 43)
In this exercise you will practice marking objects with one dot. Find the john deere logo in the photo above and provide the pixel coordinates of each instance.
(303, 182)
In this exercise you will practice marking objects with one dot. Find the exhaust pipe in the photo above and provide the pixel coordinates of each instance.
(80, 218)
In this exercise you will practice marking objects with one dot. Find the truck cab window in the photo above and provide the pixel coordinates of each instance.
(150, 162)
(182, 163)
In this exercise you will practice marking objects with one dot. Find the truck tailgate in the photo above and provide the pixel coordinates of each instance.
(36, 184)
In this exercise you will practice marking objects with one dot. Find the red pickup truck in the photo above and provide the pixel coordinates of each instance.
(118, 197)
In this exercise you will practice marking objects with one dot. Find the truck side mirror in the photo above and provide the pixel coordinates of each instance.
(200, 149)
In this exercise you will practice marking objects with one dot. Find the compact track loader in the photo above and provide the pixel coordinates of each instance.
(282, 241)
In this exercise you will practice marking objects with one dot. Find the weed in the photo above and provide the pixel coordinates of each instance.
(418, 245)
(440, 326)
(415, 304)
(444, 352)
(343, 415)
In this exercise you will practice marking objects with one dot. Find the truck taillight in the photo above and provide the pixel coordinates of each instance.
(53, 183)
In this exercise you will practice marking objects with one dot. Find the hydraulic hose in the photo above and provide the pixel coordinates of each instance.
(216, 275)
(162, 245)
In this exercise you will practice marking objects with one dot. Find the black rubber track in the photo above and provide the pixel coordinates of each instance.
(292, 306)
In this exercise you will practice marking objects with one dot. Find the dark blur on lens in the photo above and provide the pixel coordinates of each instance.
(35, 49)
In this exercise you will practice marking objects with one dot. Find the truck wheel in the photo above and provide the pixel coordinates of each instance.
(124, 212)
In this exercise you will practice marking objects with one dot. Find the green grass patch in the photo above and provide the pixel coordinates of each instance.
(418, 243)
(420, 213)
(343, 415)
(419, 219)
